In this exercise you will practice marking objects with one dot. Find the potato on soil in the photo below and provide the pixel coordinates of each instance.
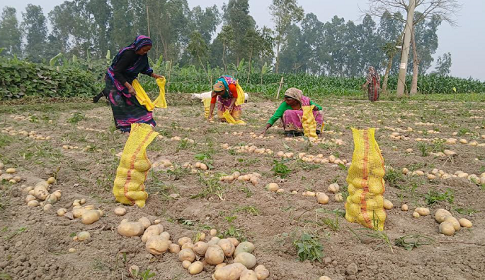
(214, 255)
(229, 272)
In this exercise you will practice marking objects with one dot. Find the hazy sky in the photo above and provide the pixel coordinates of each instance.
(465, 42)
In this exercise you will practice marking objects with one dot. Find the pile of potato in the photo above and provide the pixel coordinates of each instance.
(39, 194)
(9, 175)
(250, 148)
(449, 224)
(254, 178)
(440, 174)
(88, 213)
(31, 134)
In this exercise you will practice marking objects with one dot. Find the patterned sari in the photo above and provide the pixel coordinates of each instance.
(292, 118)
(224, 101)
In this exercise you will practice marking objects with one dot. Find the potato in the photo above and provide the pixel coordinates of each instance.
(186, 255)
(324, 278)
(248, 259)
(333, 188)
(11, 170)
(234, 241)
(221, 265)
(29, 197)
(174, 248)
(57, 194)
(184, 240)
(165, 235)
(41, 192)
(51, 180)
(152, 231)
(272, 187)
(465, 223)
(51, 198)
(188, 245)
(388, 204)
(322, 198)
(248, 275)
(130, 228)
(82, 201)
(227, 246)
(244, 247)
(261, 272)
(145, 222)
(33, 203)
(156, 245)
(416, 214)
(26, 190)
(422, 211)
(229, 272)
(196, 268)
(61, 212)
(200, 248)
(339, 197)
(48, 207)
(120, 211)
(89, 207)
(441, 214)
(213, 232)
(214, 255)
(452, 220)
(186, 264)
(90, 217)
(83, 235)
(447, 228)
(214, 240)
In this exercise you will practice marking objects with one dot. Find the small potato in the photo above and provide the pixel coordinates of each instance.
(423, 211)
(61, 212)
(404, 207)
(465, 223)
(229, 272)
(51, 198)
(261, 272)
(248, 275)
(272, 187)
(57, 194)
(83, 235)
(447, 229)
(26, 190)
(51, 180)
(48, 207)
(165, 235)
(339, 197)
(33, 203)
(213, 232)
(186, 264)
(322, 198)
(90, 217)
(156, 245)
(29, 198)
(130, 228)
(120, 211)
(188, 245)
(247, 259)
(214, 255)
(186, 255)
(227, 246)
(388, 204)
(152, 231)
(11, 170)
(416, 214)
(184, 240)
(324, 278)
(333, 188)
(200, 248)
(452, 220)
(174, 248)
(234, 241)
(441, 214)
(196, 268)
(145, 222)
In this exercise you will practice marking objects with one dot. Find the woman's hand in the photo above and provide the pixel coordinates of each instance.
(130, 88)
(265, 129)
(156, 76)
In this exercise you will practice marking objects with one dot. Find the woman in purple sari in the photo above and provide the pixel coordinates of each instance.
(290, 112)
(126, 66)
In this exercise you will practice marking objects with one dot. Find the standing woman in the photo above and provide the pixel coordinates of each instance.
(126, 66)
(373, 84)
(225, 95)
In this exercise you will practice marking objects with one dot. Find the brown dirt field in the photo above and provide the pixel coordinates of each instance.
(34, 244)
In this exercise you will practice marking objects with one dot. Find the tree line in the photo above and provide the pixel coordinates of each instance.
(298, 43)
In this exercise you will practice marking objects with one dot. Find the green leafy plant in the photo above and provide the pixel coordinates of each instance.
(412, 241)
(434, 196)
(280, 169)
(308, 248)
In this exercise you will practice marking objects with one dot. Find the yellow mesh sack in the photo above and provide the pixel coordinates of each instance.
(230, 119)
(365, 203)
(143, 98)
(240, 95)
(308, 122)
(207, 106)
(134, 165)
(160, 102)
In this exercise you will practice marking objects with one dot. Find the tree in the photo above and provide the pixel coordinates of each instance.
(34, 26)
(444, 10)
(198, 49)
(227, 38)
(10, 32)
(236, 15)
(390, 30)
(205, 21)
(284, 13)
(443, 65)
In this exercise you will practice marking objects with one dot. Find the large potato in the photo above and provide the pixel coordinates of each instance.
(244, 247)
(196, 267)
(248, 275)
(130, 228)
(214, 255)
(186, 255)
(200, 248)
(90, 217)
(227, 246)
(229, 272)
(261, 272)
(441, 214)
(247, 259)
(156, 245)
(152, 231)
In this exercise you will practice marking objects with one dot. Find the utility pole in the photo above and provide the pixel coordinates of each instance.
(401, 82)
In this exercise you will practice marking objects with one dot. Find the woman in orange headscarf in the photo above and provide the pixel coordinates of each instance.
(224, 94)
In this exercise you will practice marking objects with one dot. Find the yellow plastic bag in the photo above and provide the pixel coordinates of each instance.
(134, 165)
(230, 119)
(143, 98)
(160, 102)
(240, 95)
(365, 203)
(207, 106)
(308, 122)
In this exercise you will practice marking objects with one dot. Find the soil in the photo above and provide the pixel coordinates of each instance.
(34, 244)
